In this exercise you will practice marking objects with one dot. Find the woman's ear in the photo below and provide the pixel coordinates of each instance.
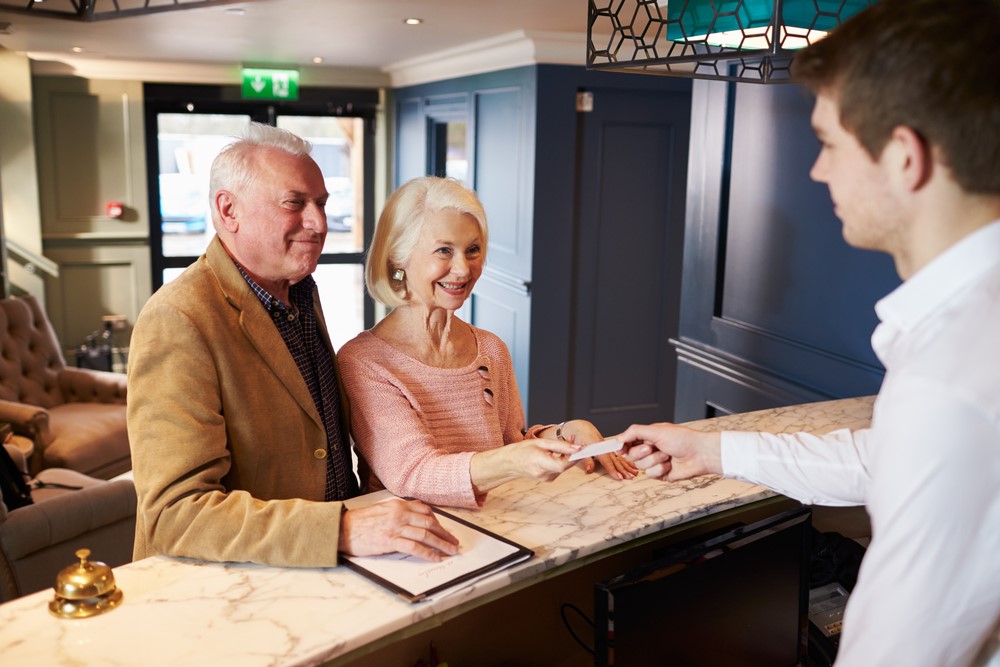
(226, 205)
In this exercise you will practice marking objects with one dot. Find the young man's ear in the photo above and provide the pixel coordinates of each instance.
(912, 160)
(226, 204)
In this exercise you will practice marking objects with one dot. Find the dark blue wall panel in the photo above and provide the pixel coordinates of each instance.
(771, 290)
(608, 239)
(411, 156)
(634, 154)
(504, 170)
(788, 270)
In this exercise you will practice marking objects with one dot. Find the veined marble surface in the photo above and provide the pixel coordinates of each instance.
(181, 612)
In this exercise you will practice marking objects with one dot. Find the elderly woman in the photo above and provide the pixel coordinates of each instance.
(435, 409)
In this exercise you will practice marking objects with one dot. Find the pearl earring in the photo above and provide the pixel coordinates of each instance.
(398, 274)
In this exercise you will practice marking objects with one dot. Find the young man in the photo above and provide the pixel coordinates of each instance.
(908, 114)
(236, 417)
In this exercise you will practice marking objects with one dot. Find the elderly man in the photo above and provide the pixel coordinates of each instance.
(236, 416)
(907, 113)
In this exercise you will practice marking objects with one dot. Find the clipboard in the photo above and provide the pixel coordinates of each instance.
(481, 552)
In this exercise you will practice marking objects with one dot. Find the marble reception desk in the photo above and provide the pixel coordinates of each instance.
(180, 612)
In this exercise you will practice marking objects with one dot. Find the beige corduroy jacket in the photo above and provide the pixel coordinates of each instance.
(227, 444)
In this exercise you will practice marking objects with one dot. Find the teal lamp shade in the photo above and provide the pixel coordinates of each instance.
(749, 24)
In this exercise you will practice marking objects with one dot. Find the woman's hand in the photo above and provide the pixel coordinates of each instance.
(538, 458)
(616, 465)
(582, 432)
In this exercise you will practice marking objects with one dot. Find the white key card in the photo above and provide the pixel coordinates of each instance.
(596, 449)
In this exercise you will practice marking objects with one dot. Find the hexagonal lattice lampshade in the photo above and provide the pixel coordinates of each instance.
(731, 40)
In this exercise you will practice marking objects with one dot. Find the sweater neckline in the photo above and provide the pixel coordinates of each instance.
(474, 365)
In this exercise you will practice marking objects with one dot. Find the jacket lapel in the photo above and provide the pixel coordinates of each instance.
(259, 329)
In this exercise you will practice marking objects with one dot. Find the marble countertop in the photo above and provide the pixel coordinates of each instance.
(181, 612)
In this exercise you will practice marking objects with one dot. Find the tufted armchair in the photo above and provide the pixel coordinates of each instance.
(75, 417)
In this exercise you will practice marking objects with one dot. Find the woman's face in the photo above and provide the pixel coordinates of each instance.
(446, 262)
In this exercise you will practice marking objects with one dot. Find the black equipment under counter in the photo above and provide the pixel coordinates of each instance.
(736, 596)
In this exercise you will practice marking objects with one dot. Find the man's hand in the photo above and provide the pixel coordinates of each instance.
(404, 526)
(672, 452)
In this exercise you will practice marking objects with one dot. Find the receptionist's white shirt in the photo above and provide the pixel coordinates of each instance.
(928, 470)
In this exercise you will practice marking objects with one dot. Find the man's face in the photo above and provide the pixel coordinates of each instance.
(281, 219)
(858, 184)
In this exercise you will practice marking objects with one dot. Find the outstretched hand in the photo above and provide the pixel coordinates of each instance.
(541, 458)
(670, 452)
(404, 526)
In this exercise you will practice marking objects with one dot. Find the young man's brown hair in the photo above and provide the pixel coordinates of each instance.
(930, 65)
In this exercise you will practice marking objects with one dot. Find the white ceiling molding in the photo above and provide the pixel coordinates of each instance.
(513, 49)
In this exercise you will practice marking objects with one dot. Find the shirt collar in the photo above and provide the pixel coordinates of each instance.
(925, 292)
(274, 305)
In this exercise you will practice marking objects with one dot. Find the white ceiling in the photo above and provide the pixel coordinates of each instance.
(354, 34)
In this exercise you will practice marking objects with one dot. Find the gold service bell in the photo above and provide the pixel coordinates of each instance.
(85, 589)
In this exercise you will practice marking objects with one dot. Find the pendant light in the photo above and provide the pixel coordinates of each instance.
(727, 40)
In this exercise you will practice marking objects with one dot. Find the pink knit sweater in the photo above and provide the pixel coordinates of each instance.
(418, 426)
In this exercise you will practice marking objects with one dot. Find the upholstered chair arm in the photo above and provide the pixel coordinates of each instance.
(30, 421)
(67, 517)
(38, 540)
(81, 385)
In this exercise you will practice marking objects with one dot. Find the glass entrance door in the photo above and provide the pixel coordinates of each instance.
(185, 131)
(186, 145)
(340, 274)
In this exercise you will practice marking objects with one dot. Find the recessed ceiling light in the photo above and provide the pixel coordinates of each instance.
(413, 21)
(317, 59)
(77, 49)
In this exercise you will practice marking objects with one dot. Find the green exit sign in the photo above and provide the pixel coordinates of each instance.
(270, 84)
